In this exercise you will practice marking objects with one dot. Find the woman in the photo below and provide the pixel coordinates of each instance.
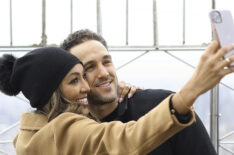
(53, 81)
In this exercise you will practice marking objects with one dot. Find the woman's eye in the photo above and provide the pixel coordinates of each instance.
(75, 80)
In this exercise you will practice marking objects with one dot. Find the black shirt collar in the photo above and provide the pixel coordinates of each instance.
(118, 112)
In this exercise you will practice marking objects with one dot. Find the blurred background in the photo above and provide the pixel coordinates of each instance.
(154, 44)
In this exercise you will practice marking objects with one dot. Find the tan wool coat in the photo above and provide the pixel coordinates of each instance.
(73, 134)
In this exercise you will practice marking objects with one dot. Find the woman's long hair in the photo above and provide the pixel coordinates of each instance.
(59, 104)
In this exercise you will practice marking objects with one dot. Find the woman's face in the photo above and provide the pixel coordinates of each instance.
(75, 88)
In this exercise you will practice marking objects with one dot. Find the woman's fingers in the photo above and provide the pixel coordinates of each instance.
(227, 71)
(132, 91)
(226, 62)
(139, 88)
(222, 51)
(125, 89)
(121, 87)
(124, 93)
(212, 47)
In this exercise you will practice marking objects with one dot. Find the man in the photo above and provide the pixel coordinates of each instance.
(92, 49)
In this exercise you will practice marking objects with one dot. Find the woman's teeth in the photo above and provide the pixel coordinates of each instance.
(83, 100)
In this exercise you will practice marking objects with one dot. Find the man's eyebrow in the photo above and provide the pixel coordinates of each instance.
(92, 61)
(89, 62)
(107, 57)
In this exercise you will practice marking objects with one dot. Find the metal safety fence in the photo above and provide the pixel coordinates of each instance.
(155, 47)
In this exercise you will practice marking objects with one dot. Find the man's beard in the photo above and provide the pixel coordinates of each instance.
(97, 99)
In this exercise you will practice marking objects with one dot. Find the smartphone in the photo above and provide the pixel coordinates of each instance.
(223, 28)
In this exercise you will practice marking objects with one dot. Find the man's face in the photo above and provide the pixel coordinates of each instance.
(100, 71)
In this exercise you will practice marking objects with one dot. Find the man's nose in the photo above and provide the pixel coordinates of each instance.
(102, 71)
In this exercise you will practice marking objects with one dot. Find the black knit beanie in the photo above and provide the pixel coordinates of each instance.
(37, 74)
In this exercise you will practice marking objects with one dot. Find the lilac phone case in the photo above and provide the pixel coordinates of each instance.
(223, 28)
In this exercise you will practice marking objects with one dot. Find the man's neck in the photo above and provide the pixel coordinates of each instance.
(101, 111)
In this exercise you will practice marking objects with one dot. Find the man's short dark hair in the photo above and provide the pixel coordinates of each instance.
(80, 37)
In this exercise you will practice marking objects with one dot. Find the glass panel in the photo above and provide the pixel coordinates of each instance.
(225, 5)
(26, 16)
(5, 22)
(113, 21)
(198, 28)
(226, 125)
(140, 22)
(57, 20)
(170, 21)
(84, 15)
(11, 109)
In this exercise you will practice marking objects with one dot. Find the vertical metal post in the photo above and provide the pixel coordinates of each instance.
(214, 117)
(214, 111)
(213, 7)
(99, 23)
(127, 22)
(213, 4)
(155, 20)
(43, 37)
(71, 20)
(184, 12)
(11, 42)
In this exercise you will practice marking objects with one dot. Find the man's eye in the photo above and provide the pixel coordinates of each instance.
(107, 62)
(75, 80)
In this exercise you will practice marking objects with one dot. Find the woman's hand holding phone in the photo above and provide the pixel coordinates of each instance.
(210, 70)
(223, 28)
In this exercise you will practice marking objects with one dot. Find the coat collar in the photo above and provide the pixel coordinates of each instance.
(33, 121)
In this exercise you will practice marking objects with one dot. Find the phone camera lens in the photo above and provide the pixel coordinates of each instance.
(216, 17)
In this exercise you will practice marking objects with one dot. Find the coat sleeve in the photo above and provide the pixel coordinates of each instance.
(75, 134)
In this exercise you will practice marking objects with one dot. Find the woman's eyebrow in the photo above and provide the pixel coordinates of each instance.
(74, 73)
